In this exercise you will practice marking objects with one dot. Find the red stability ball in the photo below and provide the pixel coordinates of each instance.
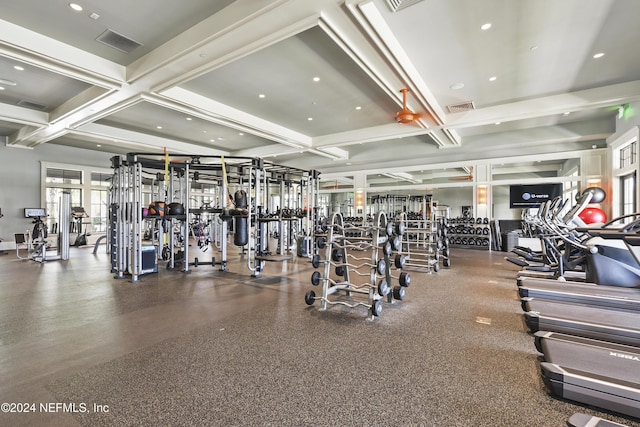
(593, 215)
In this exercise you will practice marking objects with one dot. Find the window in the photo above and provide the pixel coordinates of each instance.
(628, 194)
(99, 210)
(628, 155)
(63, 176)
(100, 180)
(100, 183)
(59, 181)
(624, 173)
(88, 187)
(53, 196)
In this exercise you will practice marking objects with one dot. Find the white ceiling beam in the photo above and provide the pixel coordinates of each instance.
(370, 19)
(271, 150)
(112, 134)
(234, 118)
(155, 70)
(606, 96)
(372, 134)
(25, 116)
(36, 49)
(235, 31)
(533, 168)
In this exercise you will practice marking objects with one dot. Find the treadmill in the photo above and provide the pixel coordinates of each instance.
(583, 420)
(581, 293)
(592, 372)
(606, 324)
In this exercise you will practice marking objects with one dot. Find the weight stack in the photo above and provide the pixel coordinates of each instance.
(113, 218)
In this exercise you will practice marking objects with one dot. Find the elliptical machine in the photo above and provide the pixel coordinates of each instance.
(79, 214)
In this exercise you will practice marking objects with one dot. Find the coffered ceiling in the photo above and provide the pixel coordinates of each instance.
(316, 84)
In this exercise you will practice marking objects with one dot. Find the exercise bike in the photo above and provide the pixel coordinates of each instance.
(35, 241)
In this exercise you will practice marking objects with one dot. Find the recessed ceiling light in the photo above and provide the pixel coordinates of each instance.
(18, 67)
(492, 78)
(241, 134)
(262, 95)
(497, 123)
(212, 140)
(316, 79)
(1, 88)
(598, 55)
(309, 118)
(76, 7)
(189, 118)
(456, 86)
(485, 26)
(98, 145)
(566, 113)
(358, 108)
(158, 127)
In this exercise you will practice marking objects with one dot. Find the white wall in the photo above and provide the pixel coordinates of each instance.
(501, 208)
(630, 118)
(20, 179)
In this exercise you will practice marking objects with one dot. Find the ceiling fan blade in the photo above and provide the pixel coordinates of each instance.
(406, 115)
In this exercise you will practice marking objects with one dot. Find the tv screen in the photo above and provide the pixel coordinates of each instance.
(34, 212)
(530, 196)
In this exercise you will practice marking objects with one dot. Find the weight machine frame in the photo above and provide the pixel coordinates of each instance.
(246, 173)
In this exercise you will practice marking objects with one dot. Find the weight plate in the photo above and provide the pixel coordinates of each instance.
(376, 308)
(315, 278)
(383, 288)
(405, 279)
(310, 297)
(399, 293)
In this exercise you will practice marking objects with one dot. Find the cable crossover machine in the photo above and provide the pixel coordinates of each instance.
(152, 217)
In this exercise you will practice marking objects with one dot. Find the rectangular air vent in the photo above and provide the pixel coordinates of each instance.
(396, 5)
(463, 106)
(32, 105)
(118, 41)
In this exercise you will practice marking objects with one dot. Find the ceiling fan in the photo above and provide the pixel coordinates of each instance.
(469, 177)
(406, 115)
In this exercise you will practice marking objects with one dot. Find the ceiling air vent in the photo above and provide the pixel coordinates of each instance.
(463, 106)
(32, 105)
(118, 41)
(396, 5)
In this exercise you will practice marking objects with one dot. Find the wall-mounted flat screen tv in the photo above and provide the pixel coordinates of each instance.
(530, 196)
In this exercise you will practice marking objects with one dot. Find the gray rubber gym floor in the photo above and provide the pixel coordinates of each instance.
(215, 348)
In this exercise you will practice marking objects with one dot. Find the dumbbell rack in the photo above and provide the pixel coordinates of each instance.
(425, 243)
(472, 233)
(345, 242)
